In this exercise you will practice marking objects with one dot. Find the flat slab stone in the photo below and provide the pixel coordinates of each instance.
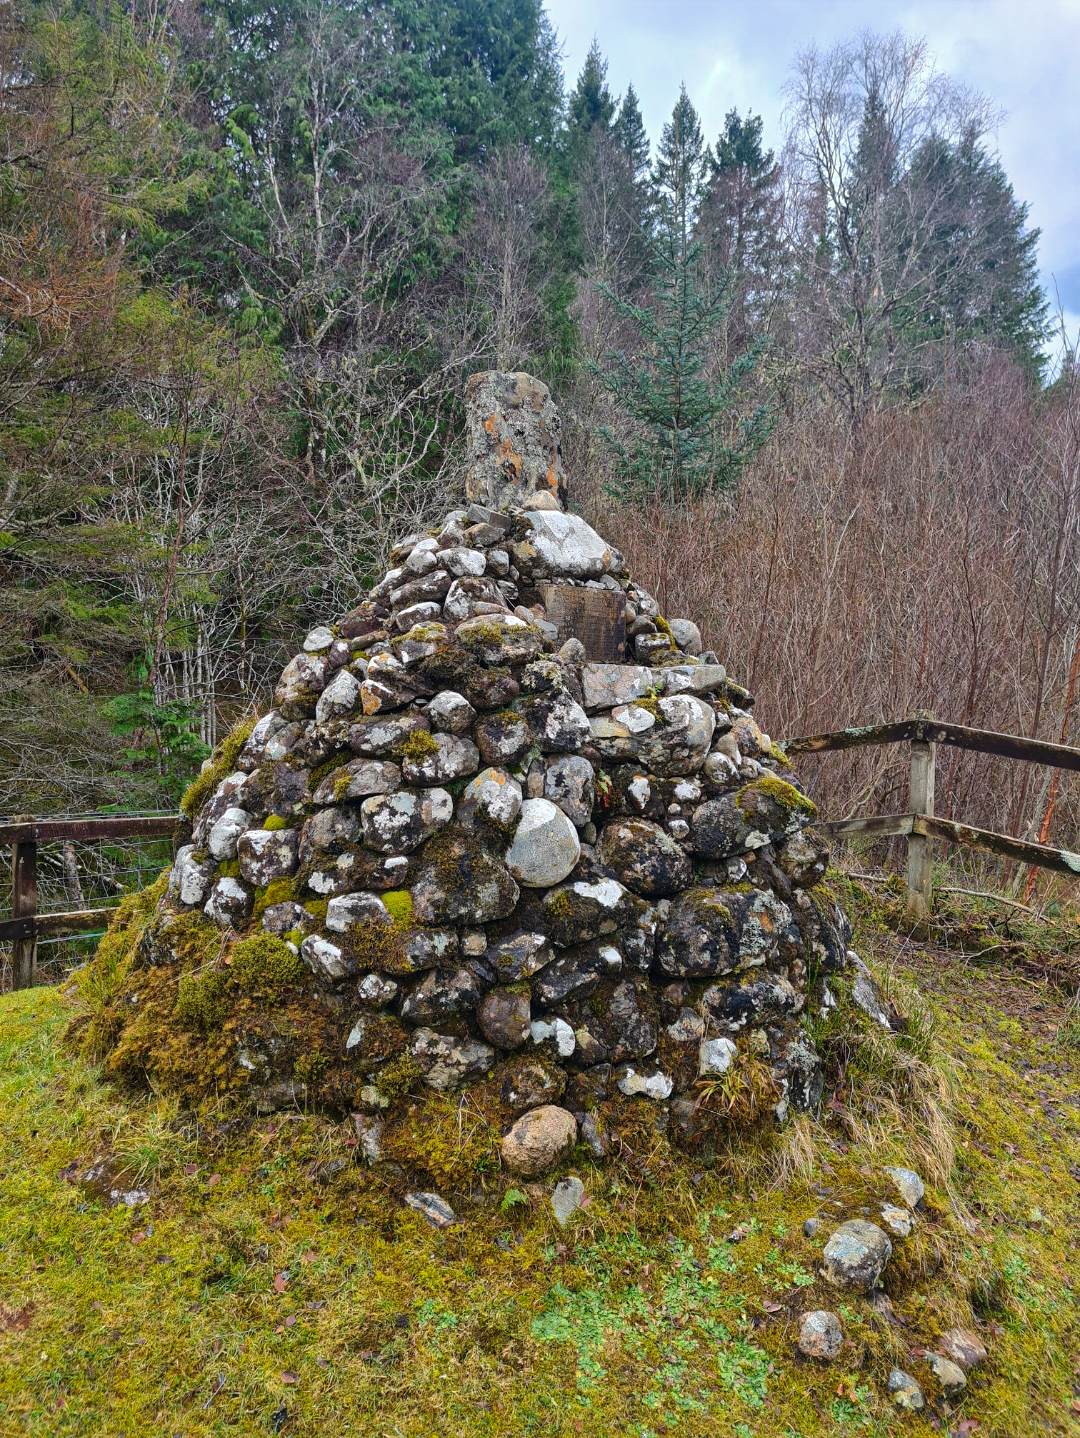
(606, 685)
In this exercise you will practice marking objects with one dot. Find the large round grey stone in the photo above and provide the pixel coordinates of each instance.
(546, 846)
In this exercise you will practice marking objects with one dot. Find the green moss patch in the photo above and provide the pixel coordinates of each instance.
(265, 962)
(222, 764)
(419, 746)
(669, 1304)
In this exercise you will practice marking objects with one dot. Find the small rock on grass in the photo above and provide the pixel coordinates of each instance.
(810, 1227)
(949, 1374)
(856, 1254)
(820, 1335)
(567, 1199)
(897, 1220)
(435, 1209)
(909, 1184)
(539, 1140)
(905, 1392)
(966, 1349)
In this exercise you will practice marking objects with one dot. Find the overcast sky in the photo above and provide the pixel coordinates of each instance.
(1023, 54)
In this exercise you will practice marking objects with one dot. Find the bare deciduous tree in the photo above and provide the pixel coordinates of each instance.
(864, 121)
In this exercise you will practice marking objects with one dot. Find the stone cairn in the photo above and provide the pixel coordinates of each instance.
(522, 833)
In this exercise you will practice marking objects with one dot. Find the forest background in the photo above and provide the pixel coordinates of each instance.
(251, 253)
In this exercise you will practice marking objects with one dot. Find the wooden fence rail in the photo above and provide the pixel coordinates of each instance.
(920, 825)
(26, 925)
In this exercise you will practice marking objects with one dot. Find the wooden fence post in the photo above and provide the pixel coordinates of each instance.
(919, 855)
(24, 905)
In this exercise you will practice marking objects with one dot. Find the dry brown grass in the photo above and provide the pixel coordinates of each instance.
(934, 563)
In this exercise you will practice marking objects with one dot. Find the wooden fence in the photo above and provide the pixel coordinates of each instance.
(919, 825)
(26, 924)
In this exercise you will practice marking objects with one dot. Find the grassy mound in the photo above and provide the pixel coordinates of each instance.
(265, 1280)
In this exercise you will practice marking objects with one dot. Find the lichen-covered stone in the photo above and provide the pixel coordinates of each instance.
(451, 756)
(856, 1254)
(340, 697)
(223, 837)
(267, 854)
(520, 956)
(752, 999)
(400, 822)
(588, 908)
(820, 1335)
(325, 959)
(564, 546)
(644, 858)
(606, 685)
(558, 724)
(568, 782)
(494, 795)
(447, 1062)
(804, 857)
(513, 440)
(908, 1184)
(190, 878)
(450, 712)
(546, 846)
(499, 638)
(358, 780)
(717, 931)
(328, 831)
(502, 738)
(618, 1020)
(442, 995)
(905, 1391)
(686, 635)
(302, 681)
(347, 909)
(461, 882)
(380, 738)
(229, 904)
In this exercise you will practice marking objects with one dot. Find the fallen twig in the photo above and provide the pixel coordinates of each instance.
(998, 899)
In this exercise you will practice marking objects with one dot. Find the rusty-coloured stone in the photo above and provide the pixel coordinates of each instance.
(514, 448)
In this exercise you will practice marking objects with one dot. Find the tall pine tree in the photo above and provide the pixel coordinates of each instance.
(679, 400)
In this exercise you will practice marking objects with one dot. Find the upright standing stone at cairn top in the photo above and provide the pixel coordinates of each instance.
(514, 448)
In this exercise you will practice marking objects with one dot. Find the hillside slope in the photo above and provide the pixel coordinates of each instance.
(267, 1285)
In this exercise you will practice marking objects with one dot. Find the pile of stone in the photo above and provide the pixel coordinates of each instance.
(575, 870)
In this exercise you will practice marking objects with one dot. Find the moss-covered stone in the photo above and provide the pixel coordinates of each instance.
(223, 763)
(264, 961)
(419, 746)
(202, 999)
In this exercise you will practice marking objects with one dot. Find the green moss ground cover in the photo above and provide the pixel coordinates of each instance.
(270, 1284)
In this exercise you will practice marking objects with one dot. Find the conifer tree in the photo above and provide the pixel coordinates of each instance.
(683, 442)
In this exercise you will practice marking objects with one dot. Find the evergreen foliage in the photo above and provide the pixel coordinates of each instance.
(676, 395)
(251, 255)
